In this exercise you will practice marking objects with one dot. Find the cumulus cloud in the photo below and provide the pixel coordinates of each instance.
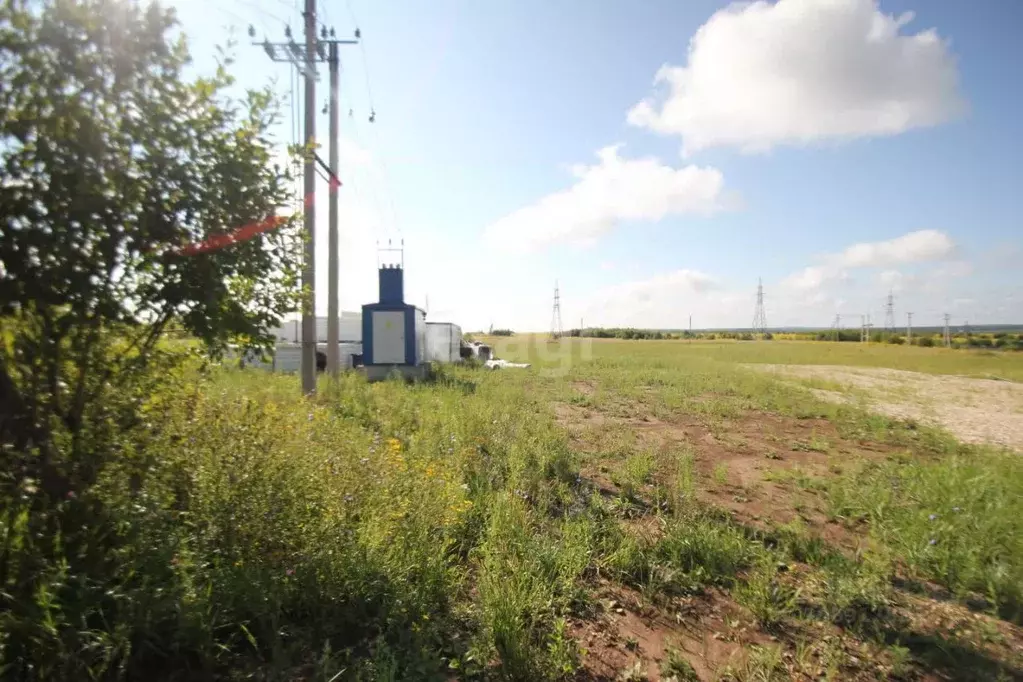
(812, 277)
(796, 71)
(914, 247)
(613, 190)
(922, 246)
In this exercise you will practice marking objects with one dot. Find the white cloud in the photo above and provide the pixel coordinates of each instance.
(612, 191)
(914, 247)
(922, 246)
(812, 277)
(796, 71)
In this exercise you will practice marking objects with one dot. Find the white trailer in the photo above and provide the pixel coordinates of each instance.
(443, 342)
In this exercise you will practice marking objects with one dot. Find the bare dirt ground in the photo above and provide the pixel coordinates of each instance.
(974, 410)
(747, 465)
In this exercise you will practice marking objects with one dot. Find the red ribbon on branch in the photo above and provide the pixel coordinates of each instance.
(245, 232)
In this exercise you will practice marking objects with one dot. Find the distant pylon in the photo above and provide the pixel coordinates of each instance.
(556, 331)
(889, 315)
(838, 327)
(947, 335)
(759, 316)
(863, 328)
(909, 328)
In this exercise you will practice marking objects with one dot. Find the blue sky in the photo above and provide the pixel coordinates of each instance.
(838, 149)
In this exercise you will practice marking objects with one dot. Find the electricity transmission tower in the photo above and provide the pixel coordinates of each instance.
(947, 335)
(867, 326)
(838, 327)
(909, 328)
(759, 316)
(305, 57)
(889, 316)
(556, 331)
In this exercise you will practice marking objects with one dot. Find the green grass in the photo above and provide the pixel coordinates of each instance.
(394, 531)
(957, 521)
(977, 363)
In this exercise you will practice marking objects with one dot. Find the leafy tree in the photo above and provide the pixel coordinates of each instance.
(112, 162)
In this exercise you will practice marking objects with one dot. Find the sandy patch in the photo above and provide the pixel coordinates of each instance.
(975, 410)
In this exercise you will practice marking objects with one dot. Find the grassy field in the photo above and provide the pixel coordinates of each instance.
(625, 510)
(974, 363)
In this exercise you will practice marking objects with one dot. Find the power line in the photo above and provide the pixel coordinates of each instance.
(305, 58)
(374, 188)
(362, 51)
(257, 7)
(388, 179)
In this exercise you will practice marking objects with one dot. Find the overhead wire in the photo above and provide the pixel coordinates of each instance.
(258, 7)
(388, 181)
(370, 185)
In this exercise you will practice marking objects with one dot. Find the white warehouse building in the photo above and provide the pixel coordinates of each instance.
(442, 343)
(349, 329)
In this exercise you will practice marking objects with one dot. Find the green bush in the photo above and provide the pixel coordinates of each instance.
(925, 341)
(896, 340)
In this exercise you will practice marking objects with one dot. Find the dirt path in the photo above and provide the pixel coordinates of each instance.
(975, 410)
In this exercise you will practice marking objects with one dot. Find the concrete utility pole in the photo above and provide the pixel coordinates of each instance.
(333, 347)
(305, 58)
(947, 334)
(309, 189)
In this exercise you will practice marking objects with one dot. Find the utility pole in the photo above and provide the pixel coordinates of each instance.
(909, 328)
(333, 342)
(309, 189)
(305, 58)
(838, 327)
(947, 335)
